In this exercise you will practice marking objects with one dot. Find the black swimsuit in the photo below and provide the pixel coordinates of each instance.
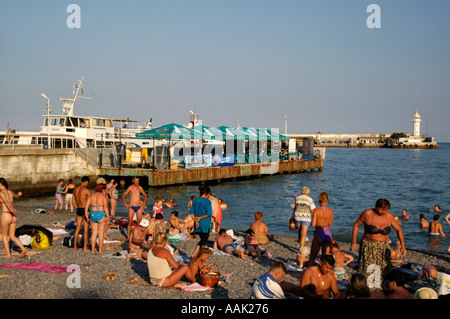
(373, 230)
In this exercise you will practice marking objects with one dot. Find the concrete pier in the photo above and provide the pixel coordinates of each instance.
(38, 171)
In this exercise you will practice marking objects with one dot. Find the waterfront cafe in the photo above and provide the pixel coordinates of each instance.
(202, 146)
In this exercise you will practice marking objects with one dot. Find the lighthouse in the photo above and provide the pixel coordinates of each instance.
(416, 124)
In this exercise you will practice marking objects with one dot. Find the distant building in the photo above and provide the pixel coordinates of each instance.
(416, 124)
(373, 140)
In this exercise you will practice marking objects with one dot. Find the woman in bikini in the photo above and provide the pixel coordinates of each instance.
(98, 216)
(113, 197)
(9, 219)
(322, 220)
(160, 263)
(375, 247)
(341, 259)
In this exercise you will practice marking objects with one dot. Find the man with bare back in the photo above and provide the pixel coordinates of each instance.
(135, 206)
(80, 196)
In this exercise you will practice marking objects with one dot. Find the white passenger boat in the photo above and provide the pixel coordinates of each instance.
(68, 130)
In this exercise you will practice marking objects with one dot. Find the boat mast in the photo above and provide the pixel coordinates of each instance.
(69, 103)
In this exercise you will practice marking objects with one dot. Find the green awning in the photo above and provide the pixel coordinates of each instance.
(170, 131)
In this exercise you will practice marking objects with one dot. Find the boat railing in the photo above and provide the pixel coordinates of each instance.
(17, 141)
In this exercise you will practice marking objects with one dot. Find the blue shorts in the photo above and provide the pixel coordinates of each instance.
(298, 223)
(96, 215)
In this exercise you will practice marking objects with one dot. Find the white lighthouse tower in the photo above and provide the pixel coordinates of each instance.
(416, 124)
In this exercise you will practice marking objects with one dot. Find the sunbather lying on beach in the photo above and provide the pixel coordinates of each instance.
(226, 243)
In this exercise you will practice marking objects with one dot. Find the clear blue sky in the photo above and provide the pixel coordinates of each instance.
(254, 61)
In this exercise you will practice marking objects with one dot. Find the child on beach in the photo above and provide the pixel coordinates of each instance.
(252, 246)
(197, 263)
(58, 194)
(341, 258)
(303, 255)
(158, 208)
(267, 286)
(396, 254)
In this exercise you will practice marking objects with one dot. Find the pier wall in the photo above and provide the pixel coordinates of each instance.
(38, 171)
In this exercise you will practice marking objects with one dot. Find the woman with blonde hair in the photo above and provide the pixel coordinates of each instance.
(160, 263)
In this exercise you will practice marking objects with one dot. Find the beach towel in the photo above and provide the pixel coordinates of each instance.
(219, 252)
(38, 266)
(292, 266)
(196, 287)
(183, 258)
(120, 254)
(57, 232)
(175, 238)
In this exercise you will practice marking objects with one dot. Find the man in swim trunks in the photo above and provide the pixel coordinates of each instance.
(226, 243)
(80, 196)
(135, 207)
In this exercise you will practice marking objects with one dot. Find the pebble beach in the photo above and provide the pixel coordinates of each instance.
(131, 275)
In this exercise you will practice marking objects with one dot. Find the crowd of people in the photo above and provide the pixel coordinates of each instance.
(148, 238)
(376, 278)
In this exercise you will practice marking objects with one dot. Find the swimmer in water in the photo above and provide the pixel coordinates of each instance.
(435, 228)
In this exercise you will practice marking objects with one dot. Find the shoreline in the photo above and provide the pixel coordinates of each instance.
(131, 274)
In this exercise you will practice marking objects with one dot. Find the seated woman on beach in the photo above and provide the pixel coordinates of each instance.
(260, 229)
(252, 246)
(160, 263)
(198, 262)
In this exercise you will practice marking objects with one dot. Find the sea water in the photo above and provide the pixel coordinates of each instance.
(354, 178)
